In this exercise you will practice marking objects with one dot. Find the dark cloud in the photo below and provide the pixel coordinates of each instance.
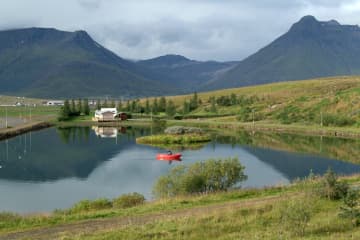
(198, 29)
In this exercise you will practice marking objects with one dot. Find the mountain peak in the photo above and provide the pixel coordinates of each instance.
(308, 19)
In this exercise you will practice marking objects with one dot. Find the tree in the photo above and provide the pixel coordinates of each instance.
(194, 102)
(128, 106)
(133, 107)
(119, 106)
(112, 104)
(65, 111)
(170, 109)
(98, 104)
(331, 188)
(162, 104)
(350, 208)
(73, 108)
(155, 106)
(147, 107)
(213, 105)
(233, 99)
(79, 107)
(105, 104)
(86, 108)
(186, 107)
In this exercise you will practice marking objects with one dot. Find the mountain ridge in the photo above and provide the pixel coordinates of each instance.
(310, 49)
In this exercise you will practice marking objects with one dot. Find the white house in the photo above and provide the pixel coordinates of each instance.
(106, 114)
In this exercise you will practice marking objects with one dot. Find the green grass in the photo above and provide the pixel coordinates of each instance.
(102, 209)
(300, 102)
(237, 214)
(170, 139)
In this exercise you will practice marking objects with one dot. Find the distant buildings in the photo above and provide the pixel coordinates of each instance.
(54, 103)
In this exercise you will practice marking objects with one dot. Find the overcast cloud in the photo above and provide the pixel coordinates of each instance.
(197, 29)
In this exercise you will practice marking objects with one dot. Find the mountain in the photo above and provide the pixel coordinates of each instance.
(183, 73)
(310, 49)
(48, 63)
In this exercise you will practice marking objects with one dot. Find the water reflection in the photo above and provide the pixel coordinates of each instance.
(53, 168)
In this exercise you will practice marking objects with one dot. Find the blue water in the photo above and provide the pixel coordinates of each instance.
(52, 168)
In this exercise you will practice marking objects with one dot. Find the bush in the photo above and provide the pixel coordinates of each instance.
(295, 214)
(200, 177)
(183, 130)
(129, 200)
(331, 188)
(88, 205)
(335, 120)
(244, 114)
(350, 208)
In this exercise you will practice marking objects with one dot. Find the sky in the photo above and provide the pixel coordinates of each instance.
(222, 30)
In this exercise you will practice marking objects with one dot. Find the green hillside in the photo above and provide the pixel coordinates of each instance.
(332, 101)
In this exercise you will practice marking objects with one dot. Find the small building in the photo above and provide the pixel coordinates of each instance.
(55, 103)
(122, 116)
(106, 114)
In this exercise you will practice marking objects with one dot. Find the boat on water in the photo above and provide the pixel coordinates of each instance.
(166, 156)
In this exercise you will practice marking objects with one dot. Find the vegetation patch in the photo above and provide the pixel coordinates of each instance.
(170, 139)
(201, 177)
(176, 136)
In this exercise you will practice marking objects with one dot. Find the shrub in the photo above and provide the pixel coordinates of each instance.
(88, 205)
(99, 204)
(331, 188)
(183, 130)
(335, 120)
(129, 200)
(295, 214)
(244, 114)
(200, 177)
(350, 208)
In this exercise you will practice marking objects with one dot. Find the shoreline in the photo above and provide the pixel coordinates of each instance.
(338, 132)
(7, 133)
(312, 130)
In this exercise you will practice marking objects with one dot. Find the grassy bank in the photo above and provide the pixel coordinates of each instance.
(237, 214)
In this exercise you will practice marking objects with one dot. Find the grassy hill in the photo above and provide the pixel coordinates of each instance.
(333, 101)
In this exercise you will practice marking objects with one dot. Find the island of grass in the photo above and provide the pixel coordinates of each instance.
(175, 136)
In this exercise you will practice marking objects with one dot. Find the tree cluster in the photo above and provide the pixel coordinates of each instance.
(74, 108)
(155, 107)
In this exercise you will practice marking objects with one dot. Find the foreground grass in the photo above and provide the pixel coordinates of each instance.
(238, 214)
(254, 222)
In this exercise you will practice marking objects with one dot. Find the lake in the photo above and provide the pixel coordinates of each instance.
(55, 168)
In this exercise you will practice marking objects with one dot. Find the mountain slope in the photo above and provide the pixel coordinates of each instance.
(181, 72)
(309, 49)
(48, 63)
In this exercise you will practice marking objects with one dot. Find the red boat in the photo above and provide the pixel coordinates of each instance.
(165, 156)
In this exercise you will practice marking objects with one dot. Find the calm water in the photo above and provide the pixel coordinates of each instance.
(54, 168)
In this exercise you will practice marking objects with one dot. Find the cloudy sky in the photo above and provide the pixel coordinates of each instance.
(198, 29)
